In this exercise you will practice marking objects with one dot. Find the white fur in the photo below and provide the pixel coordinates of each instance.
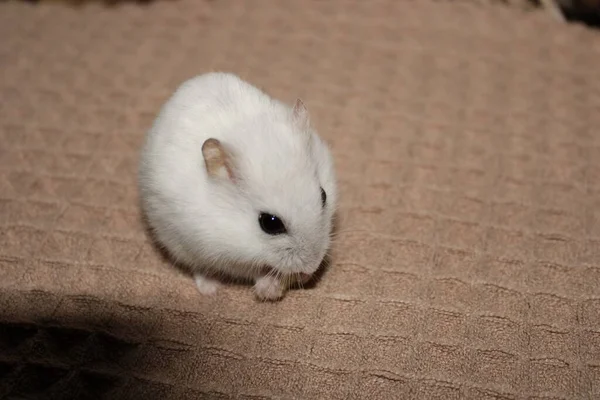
(212, 226)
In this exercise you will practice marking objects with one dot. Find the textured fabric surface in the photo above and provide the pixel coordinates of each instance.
(467, 147)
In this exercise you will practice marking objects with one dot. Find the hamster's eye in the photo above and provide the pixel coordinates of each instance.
(271, 224)
(323, 197)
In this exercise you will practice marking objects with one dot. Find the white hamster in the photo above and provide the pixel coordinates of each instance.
(234, 183)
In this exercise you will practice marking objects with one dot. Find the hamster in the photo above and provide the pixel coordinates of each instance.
(234, 183)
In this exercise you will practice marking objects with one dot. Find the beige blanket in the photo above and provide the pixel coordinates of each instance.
(467, 144)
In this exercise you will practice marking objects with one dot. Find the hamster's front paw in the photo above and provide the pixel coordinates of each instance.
(268, 288)
(206, 286)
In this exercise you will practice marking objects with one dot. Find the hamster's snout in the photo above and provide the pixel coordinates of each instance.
(302, 265)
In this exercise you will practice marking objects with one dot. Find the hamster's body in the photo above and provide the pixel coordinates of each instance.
(220, 156)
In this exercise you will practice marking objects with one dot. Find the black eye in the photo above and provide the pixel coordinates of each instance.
(323, 197)
(271, 224)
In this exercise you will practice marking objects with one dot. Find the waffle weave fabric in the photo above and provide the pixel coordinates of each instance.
(467, 147)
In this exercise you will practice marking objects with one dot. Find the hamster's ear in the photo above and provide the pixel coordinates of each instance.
(218, 161)
(301, 117)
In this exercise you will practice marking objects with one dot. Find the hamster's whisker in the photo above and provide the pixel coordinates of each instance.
(270, 273)
(283, 278)
(299, 279)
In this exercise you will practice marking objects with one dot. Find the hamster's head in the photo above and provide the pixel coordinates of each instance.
(274, 193)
